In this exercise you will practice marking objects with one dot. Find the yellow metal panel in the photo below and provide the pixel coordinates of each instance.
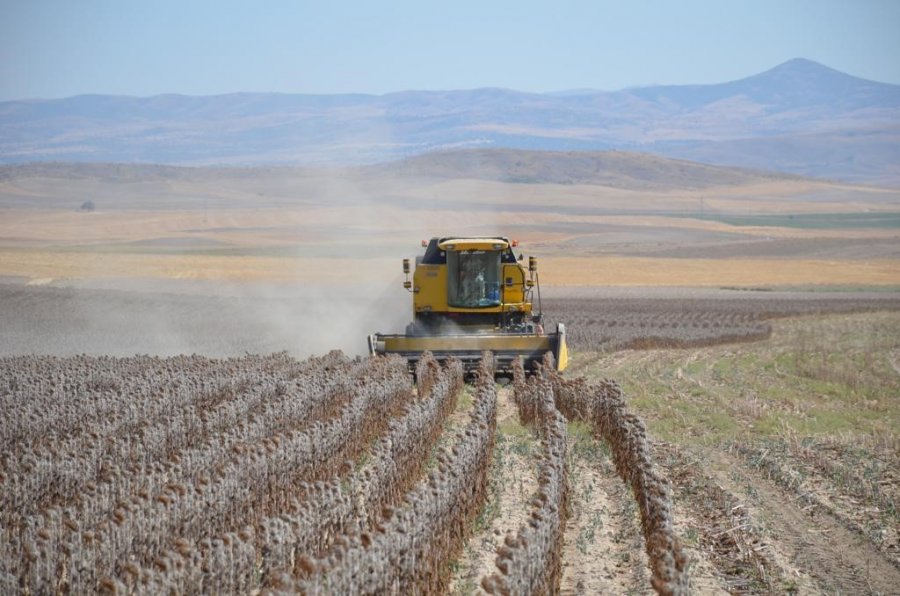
(513, 293)
(430, 282)
(481, 309)
(473, 244)
(449, 343)
(562, 360)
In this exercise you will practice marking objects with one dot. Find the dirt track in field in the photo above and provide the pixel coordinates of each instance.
(602, 520)
(512, 482)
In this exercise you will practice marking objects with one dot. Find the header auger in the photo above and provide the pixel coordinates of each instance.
(472, 295)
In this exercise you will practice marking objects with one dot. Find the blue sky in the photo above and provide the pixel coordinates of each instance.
(58, 48)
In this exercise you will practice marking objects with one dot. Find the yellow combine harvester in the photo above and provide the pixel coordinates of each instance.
(472, 295)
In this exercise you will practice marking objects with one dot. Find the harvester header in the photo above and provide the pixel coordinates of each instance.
(471, 295)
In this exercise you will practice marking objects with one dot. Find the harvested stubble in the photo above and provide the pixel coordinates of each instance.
(603, 406)
(407, 551)
(869, 503)
(728, 532)
(529, 560)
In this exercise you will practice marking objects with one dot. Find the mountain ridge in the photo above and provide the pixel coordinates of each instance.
(615, 169)
(758, 115)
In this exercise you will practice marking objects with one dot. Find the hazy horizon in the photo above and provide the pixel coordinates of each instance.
(55, 49)
(553, 92)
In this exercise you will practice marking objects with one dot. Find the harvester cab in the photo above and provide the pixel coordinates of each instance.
(472, 295)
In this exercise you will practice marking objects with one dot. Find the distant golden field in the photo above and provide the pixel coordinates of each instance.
(45, 265)
(287, 227)
(41, 265)
(624, 271)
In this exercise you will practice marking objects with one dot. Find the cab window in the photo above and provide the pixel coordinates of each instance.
(473, 278)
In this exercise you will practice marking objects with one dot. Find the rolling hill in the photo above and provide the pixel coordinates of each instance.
(799, 117)
(613, 169)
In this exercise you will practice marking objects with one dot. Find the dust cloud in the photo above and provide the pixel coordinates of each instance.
(355, 228)
(169, 317)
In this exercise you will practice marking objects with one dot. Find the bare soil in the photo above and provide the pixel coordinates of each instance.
(603, 551)
(513, 481)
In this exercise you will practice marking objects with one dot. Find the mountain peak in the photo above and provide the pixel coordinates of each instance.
(796, 84)
(811, 72)
(804, 68)
(796, 64)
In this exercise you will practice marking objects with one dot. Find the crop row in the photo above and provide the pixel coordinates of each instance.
(319, 477)
(596, 331)
(57, 398)
(283, 544)
(95, 487)
(234, 479)
(529, 560)
(408, 549)
(616, 321)
(757, 304)
(603, 407)
(82, 466)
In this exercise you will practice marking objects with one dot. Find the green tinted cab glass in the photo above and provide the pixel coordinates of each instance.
(473, 278)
